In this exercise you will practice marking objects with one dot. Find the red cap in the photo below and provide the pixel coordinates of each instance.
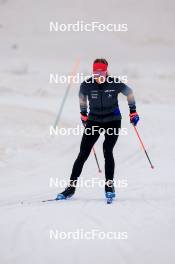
(98, 66)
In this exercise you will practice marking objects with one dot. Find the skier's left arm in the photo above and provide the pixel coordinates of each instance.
(127, 91)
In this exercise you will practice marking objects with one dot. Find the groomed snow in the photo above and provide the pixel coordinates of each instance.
(29, 157)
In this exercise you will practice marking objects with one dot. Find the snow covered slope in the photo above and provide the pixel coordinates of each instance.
(29, 157)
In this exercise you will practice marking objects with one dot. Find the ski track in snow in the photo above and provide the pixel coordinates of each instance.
(145, 209)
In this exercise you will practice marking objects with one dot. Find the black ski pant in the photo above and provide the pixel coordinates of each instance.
(89, 138)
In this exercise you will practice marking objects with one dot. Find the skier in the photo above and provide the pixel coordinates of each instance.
(101, 90)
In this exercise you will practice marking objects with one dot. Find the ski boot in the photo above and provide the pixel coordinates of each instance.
(67, 193)
(109, 192)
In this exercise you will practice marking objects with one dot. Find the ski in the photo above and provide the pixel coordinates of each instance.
(58, 198)
(49, 200)
(109, 200)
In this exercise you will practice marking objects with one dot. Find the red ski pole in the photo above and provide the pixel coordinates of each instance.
(141, 142)
(96, 159)
(95, 155)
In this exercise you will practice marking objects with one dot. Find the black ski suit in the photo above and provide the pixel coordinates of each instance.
(103, 112)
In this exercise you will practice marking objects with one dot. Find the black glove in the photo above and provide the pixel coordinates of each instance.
(84, 118)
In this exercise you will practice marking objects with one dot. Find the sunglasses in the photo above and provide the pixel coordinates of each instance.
(99, 73)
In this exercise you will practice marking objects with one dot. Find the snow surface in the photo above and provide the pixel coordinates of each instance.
(29, 157)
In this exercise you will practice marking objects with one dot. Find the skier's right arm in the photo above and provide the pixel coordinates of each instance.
(83, 104)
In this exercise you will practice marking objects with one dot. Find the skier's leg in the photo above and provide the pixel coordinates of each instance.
(108, 145)
(85, 148)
